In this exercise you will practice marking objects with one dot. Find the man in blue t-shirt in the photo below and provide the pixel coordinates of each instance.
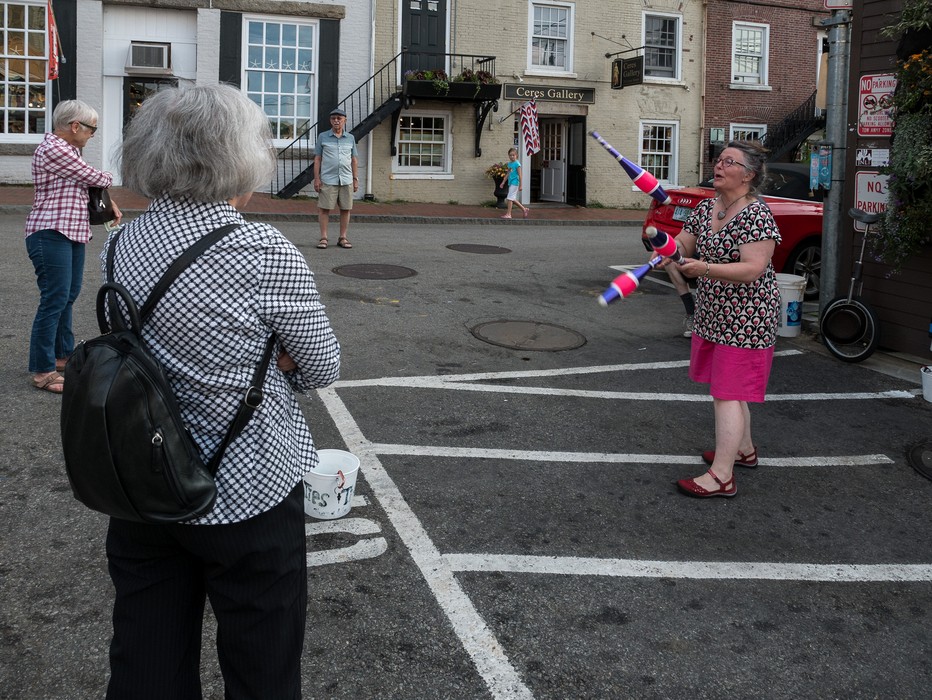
(335, 176)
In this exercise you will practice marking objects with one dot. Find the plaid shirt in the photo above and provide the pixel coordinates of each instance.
(209, 330)
(61, 178)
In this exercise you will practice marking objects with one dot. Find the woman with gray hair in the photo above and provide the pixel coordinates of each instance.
(57, 230)
(198, 153)
(737, 309)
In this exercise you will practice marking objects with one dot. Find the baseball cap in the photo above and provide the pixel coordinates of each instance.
(338, 112)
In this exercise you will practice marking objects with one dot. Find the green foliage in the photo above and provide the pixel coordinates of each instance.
(439, 78)
(915, 15)
(905, 227)
(496, 171)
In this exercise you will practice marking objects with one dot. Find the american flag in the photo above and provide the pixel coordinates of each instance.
(529, 127)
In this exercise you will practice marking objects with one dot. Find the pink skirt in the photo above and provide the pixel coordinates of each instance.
(733, 374)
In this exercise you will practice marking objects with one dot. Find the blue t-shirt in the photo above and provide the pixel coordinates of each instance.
(513, 178)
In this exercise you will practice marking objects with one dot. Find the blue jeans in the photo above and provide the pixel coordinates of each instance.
(59, 264)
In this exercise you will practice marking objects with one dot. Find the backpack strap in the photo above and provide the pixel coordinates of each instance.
(178, 266)
(252, 397)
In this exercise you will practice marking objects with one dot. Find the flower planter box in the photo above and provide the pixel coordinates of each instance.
(457, 92)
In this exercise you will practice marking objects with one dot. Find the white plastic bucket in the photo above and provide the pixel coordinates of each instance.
(328, 488)
(792, 292)
(926, 373)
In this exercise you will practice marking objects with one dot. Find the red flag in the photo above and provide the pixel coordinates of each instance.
(529, 127)
(53, 42)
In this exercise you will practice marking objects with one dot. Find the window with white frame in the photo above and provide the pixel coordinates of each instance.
(662, 46)
(423, 143)
(750, 47)
(24, 71)
(551, 37)
(280, 71)
(746, 132)
(658, 149)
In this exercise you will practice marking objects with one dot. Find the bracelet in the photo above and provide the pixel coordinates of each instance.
(707, 268)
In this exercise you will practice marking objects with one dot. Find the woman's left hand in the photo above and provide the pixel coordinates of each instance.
(118, 215)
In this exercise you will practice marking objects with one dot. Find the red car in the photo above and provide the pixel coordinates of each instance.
(799, 220)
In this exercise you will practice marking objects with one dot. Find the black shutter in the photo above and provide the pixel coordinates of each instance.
(328, 63)
(231, 48)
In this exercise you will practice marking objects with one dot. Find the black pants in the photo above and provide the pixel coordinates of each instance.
(255, 574)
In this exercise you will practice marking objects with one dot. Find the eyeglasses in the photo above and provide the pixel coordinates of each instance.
(92, 129)
(728, 162)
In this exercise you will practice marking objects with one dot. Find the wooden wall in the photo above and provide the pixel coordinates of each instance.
(902, 301)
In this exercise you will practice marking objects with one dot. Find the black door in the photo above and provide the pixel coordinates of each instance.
(576, 161)
(424, 33)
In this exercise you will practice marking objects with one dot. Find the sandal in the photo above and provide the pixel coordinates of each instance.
(691, 488)
(323, 243)
(343, 243)
(52, 382)
(742, 460)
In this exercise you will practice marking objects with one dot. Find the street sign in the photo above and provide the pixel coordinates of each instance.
(870, 193)
(632, 71)
(875, 104)
(838, 4)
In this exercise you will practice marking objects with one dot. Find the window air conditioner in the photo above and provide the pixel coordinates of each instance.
(149, 58)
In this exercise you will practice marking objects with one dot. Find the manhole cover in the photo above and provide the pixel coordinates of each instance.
(919, 457)
(528, 335)
(375, 272)
(480, 249)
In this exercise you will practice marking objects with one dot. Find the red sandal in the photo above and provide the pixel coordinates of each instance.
(742, 460)
(691, 488)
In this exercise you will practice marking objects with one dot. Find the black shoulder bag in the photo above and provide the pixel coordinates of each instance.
(127, 451)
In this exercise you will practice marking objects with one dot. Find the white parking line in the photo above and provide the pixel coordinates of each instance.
(587, 566)
(439, 570)
(482, 646)
(612, 457)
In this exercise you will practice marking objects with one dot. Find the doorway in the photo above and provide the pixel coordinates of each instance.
(553, 160)
(424, 34)
(576, 161)
(137, 88)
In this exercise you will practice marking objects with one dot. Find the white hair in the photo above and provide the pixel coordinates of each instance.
(70, 111)
(210, 143)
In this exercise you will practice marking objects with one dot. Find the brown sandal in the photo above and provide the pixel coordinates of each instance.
(323, 243)
(52, 382)
(343, 243)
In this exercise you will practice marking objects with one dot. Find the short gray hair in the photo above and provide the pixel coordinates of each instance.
(210, 143)
(755, 158)
(70, 111)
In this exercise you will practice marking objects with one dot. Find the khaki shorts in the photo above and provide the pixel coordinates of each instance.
(331, 196)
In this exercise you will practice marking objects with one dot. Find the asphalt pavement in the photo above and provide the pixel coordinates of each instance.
(516, 532)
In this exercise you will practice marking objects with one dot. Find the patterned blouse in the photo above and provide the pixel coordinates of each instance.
(732, 313)
(209, 331)
(61, 178)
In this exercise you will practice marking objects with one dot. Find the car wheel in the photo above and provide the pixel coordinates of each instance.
(806, 261)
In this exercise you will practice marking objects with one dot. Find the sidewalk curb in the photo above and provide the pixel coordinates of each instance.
(23, 210)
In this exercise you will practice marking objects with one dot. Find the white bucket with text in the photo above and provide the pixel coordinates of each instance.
(792, 292)
(329, 487)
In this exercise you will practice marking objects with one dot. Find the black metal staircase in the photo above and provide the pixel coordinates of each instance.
(366, 107)
(376, 100)
(783, 138)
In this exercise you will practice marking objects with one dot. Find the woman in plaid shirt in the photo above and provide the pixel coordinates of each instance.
(57, 230)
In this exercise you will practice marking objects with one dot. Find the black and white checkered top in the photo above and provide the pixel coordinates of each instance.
(209, 332)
